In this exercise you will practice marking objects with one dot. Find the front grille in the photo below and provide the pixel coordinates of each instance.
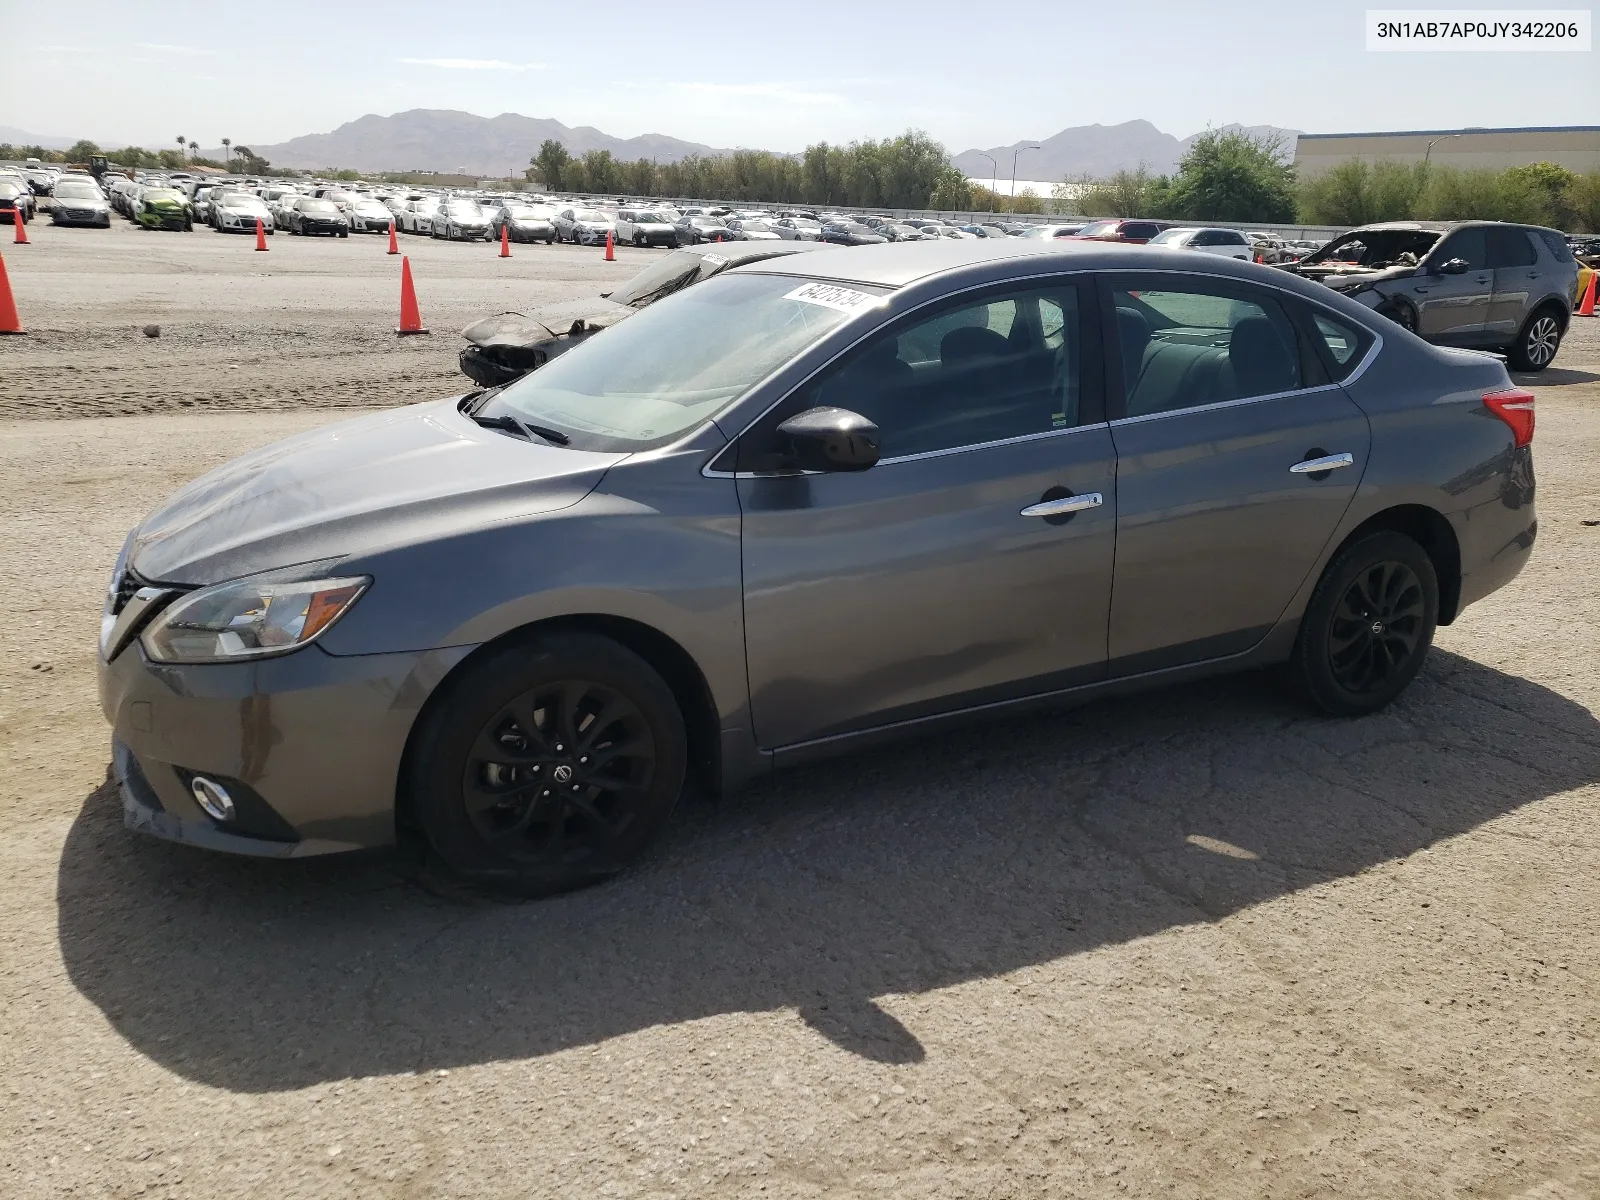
(126, 587)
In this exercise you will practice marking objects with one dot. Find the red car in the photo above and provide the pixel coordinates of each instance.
(1119, 230)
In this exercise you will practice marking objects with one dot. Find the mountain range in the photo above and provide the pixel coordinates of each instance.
(1096, 150)
(426, 139)
(434, 139)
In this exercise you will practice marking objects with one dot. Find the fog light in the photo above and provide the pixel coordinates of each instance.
(212, 797)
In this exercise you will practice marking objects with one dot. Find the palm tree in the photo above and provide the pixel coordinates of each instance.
(227, 157)
(182, 142)
(193, 146)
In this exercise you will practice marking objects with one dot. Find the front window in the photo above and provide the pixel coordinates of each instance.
(589, 214)
(317, 206)
(76, 191)
(1168, 237)
(678, 363)
(1378, 247)
(1099, 229)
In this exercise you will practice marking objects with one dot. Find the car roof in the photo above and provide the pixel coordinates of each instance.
(897, 264)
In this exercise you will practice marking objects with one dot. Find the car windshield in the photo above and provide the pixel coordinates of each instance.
(521, 212)
(649, 379)
(163, 194)
(77, 191)
(1167, 236)
(317, 206)
(1377, 247)
(464, 208)
(588, 214)
(661, 278)
(1099, 228)
(757, 224)
(371, 208)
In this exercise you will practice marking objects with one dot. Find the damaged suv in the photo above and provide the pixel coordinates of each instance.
(1487, 285)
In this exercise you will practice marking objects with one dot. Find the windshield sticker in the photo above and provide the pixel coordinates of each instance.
(830, 295)
(715, 260)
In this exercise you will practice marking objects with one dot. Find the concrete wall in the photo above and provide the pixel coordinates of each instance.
(1574, 147)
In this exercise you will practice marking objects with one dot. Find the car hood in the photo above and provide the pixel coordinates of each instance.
(392, 478)
(1339, 275)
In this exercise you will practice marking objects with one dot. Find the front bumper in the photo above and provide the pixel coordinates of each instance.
(324, 227)
(313, 741)
(162, 220)
(81, 216)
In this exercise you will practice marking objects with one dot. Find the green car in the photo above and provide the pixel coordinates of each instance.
(165, 208)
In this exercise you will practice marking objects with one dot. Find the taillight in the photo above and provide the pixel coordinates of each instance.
(1515, 407)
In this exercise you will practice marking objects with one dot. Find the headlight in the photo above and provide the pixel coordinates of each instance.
(248, 619)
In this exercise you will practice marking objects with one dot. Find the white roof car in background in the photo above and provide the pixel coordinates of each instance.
(1229, 243)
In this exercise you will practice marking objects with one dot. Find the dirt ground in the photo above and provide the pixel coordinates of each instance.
(1193, 944)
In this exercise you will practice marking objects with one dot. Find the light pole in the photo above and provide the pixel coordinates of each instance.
(1429, 151)
(994, 174)
(1014, 153)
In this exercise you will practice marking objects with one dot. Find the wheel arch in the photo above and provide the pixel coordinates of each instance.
(1434, 533)
(1557, 308)
(666, 656)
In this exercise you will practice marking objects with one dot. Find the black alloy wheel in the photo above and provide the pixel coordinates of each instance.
(1368, 626)
(548, 764)
(1375, 627)
(556, 775)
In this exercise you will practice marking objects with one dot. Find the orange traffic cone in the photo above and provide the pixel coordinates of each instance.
(611, 255)
(505, 241)
(410, 315)
(22, 228)
(9, 321)
(1586, 305)
(394, 246)
(261, 235)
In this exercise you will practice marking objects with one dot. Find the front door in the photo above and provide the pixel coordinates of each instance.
(1454, 309)
(1220, 516)
(921, 584)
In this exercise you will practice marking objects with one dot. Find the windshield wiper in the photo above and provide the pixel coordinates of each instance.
(524, 430)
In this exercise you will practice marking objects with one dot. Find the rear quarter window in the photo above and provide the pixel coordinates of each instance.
(1556, 244)
(1342, 344)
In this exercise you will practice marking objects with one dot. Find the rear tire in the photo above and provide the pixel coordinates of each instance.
(1367, 629)
(1537, 342)
(503, 806)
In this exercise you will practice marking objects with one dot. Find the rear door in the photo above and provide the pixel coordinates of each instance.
(934, 580)
(1222, 405)
(1454, 309)
(1521, 276)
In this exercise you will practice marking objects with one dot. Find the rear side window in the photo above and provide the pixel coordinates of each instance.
(1343, 343)
(1511, 247)
(1190, 345)
(1140, 229)
(1556, 244)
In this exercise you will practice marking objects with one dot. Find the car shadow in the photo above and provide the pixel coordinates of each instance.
(1010, 843)
(1554, 377)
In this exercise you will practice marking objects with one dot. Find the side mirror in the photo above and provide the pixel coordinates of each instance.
(830, 439)
(1455, 266)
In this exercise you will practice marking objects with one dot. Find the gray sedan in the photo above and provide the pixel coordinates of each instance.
(805, 505)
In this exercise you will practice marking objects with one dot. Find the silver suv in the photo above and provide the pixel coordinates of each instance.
(1483, 284)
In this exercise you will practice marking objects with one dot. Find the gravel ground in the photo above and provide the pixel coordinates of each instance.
(1193, 944)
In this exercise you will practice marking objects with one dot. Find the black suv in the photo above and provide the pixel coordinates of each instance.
(1489, 285)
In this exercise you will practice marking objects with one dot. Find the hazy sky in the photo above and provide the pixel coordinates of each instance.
(774, 76)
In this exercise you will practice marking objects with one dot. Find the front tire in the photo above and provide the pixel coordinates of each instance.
(1537, 342)
(1401, 313)
(548, 765)
(1367, 629)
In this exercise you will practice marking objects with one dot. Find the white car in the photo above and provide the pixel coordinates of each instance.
(417, 216)
(1229, 243)
(645, 227)
(236, 212)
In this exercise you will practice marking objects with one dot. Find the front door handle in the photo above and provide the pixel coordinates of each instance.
(1328, 462)
(1065, 506)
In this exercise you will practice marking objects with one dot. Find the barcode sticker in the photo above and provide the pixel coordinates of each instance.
(831, 295)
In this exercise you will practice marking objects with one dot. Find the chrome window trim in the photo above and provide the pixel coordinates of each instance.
(708, 473)
(1092, 274)
(1239, 403)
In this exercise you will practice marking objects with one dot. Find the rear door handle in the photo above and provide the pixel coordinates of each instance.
(1328, 462)
(1064, 506)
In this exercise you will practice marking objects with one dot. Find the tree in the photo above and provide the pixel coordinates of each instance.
(549, 165)
(951, 191)
(1233, 176)
(1483, 194)
(1134, 193)
(1583, 196)
(1551, 181)
(82, 150)
(227, 154)
(182, 143)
